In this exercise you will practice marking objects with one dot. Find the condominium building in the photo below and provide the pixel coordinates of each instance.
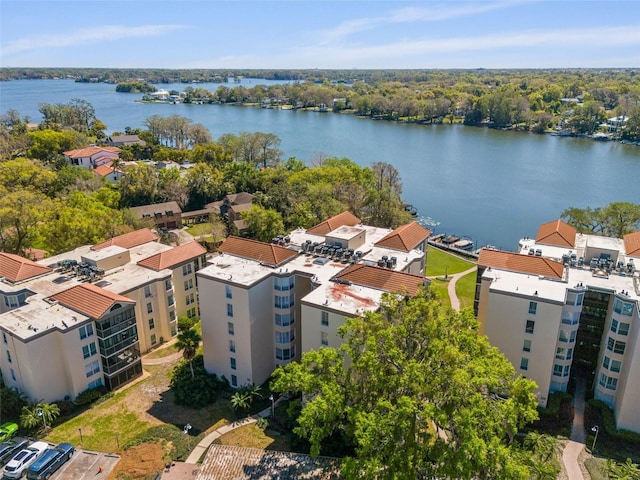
(567, 306)
(82, 318)
(264, 304)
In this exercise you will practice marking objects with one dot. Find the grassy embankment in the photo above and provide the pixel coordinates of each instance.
(440, 263)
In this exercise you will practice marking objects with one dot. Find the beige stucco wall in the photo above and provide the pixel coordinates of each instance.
(504, 324)
(627, 405)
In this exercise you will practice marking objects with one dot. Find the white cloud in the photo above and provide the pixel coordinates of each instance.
(411, 14)
(86, 35)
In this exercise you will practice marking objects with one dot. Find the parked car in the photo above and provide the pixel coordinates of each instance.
(9, 449)
(49, 462)
(7, 431)
(25, 457)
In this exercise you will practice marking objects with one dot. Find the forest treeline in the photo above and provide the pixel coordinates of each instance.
(575, 102)
(48, 204)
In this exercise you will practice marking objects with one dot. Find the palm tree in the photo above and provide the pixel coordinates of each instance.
(36, 413)
(188, 341)
(241, 400)
(623, 471)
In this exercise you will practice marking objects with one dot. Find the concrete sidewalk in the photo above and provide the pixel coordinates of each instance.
(451, 286)
(575, 446)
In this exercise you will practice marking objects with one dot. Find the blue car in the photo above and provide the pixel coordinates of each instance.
(50, 461)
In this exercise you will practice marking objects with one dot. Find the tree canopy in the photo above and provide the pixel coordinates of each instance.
(614, 220)
(416, 393)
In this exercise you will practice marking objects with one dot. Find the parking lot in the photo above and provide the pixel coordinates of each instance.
(87, 465)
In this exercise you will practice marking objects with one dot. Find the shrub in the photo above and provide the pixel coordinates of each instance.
(88, 396)
(170, 436)
(185, 323)
(609, 423)
(196, 392)
(262, 423)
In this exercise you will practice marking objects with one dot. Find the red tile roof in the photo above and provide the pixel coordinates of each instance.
(89, 299)
(405, 238)
(382, 279)
(89, 151)
(340, 220)
(515, 262)
(266, 253)
(632, 244)
(557, 233)
(129, 240)
(173, 257)
(105, 169)
(16, 268)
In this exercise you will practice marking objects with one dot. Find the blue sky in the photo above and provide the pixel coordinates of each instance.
(319, 34)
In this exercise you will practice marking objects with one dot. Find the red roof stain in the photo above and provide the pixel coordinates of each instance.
(405, 238)
(340, 220)
(16, 268)
(339, 290)
(89, 299)
(632, 244)
(175, 256)
(129, 240)
(265, 253)
(557, 233)
(516, 262)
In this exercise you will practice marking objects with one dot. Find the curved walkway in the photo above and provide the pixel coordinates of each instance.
(451, 286)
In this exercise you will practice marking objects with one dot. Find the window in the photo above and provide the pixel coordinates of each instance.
(283, 284)
(230, 328)
(569, 353)
(285, 353)
(96, 383)
(574, 298)
(13, 375)
(233, 363)
(172, 316)
(153, 339)
(147, 291)
(615, 346)
(284, 302)
(9, 357)
(526, 346)
(86, 331)
(186, 269)
(560, 353)
(229, 310)
(285, 337)
(609, 383)
(564, 336)
(623, 308)
(234, 381)
(325, 319)
(572, 337)
(530, 326)
(606, 361)
(152, 324)
(191, 299)
(149, 308)
(619, 327)
(533, 306)
(174, 330)
(557, 370)
(524, 363)
(170, 300)
(232, 346)
(188, 284)
(228, 292)
(89, 350)
(4, 337)
(570, 318)
(324, 338)
(284, 320)
(92, 368)
(191, 312)
(615, 365)
(167, 285)
(567, 369)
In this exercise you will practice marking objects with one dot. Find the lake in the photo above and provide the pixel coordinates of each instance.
(493, 186)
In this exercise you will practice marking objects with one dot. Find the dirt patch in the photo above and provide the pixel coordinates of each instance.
(141, 461)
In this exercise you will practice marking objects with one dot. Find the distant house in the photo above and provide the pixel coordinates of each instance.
(230, 208)
(124, 140)
(91, 157)
(107, 172)
(164, 215)
(616, 123)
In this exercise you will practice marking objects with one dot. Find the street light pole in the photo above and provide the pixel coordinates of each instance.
(80, 431)
(44, 420)
(595, 429)
(273, 406)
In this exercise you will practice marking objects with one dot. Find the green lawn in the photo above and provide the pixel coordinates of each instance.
(466, 289)
(439, 261)
(440, 287)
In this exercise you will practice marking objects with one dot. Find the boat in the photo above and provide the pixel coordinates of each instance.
(411, 209)
(449, 240)
(463, 244)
